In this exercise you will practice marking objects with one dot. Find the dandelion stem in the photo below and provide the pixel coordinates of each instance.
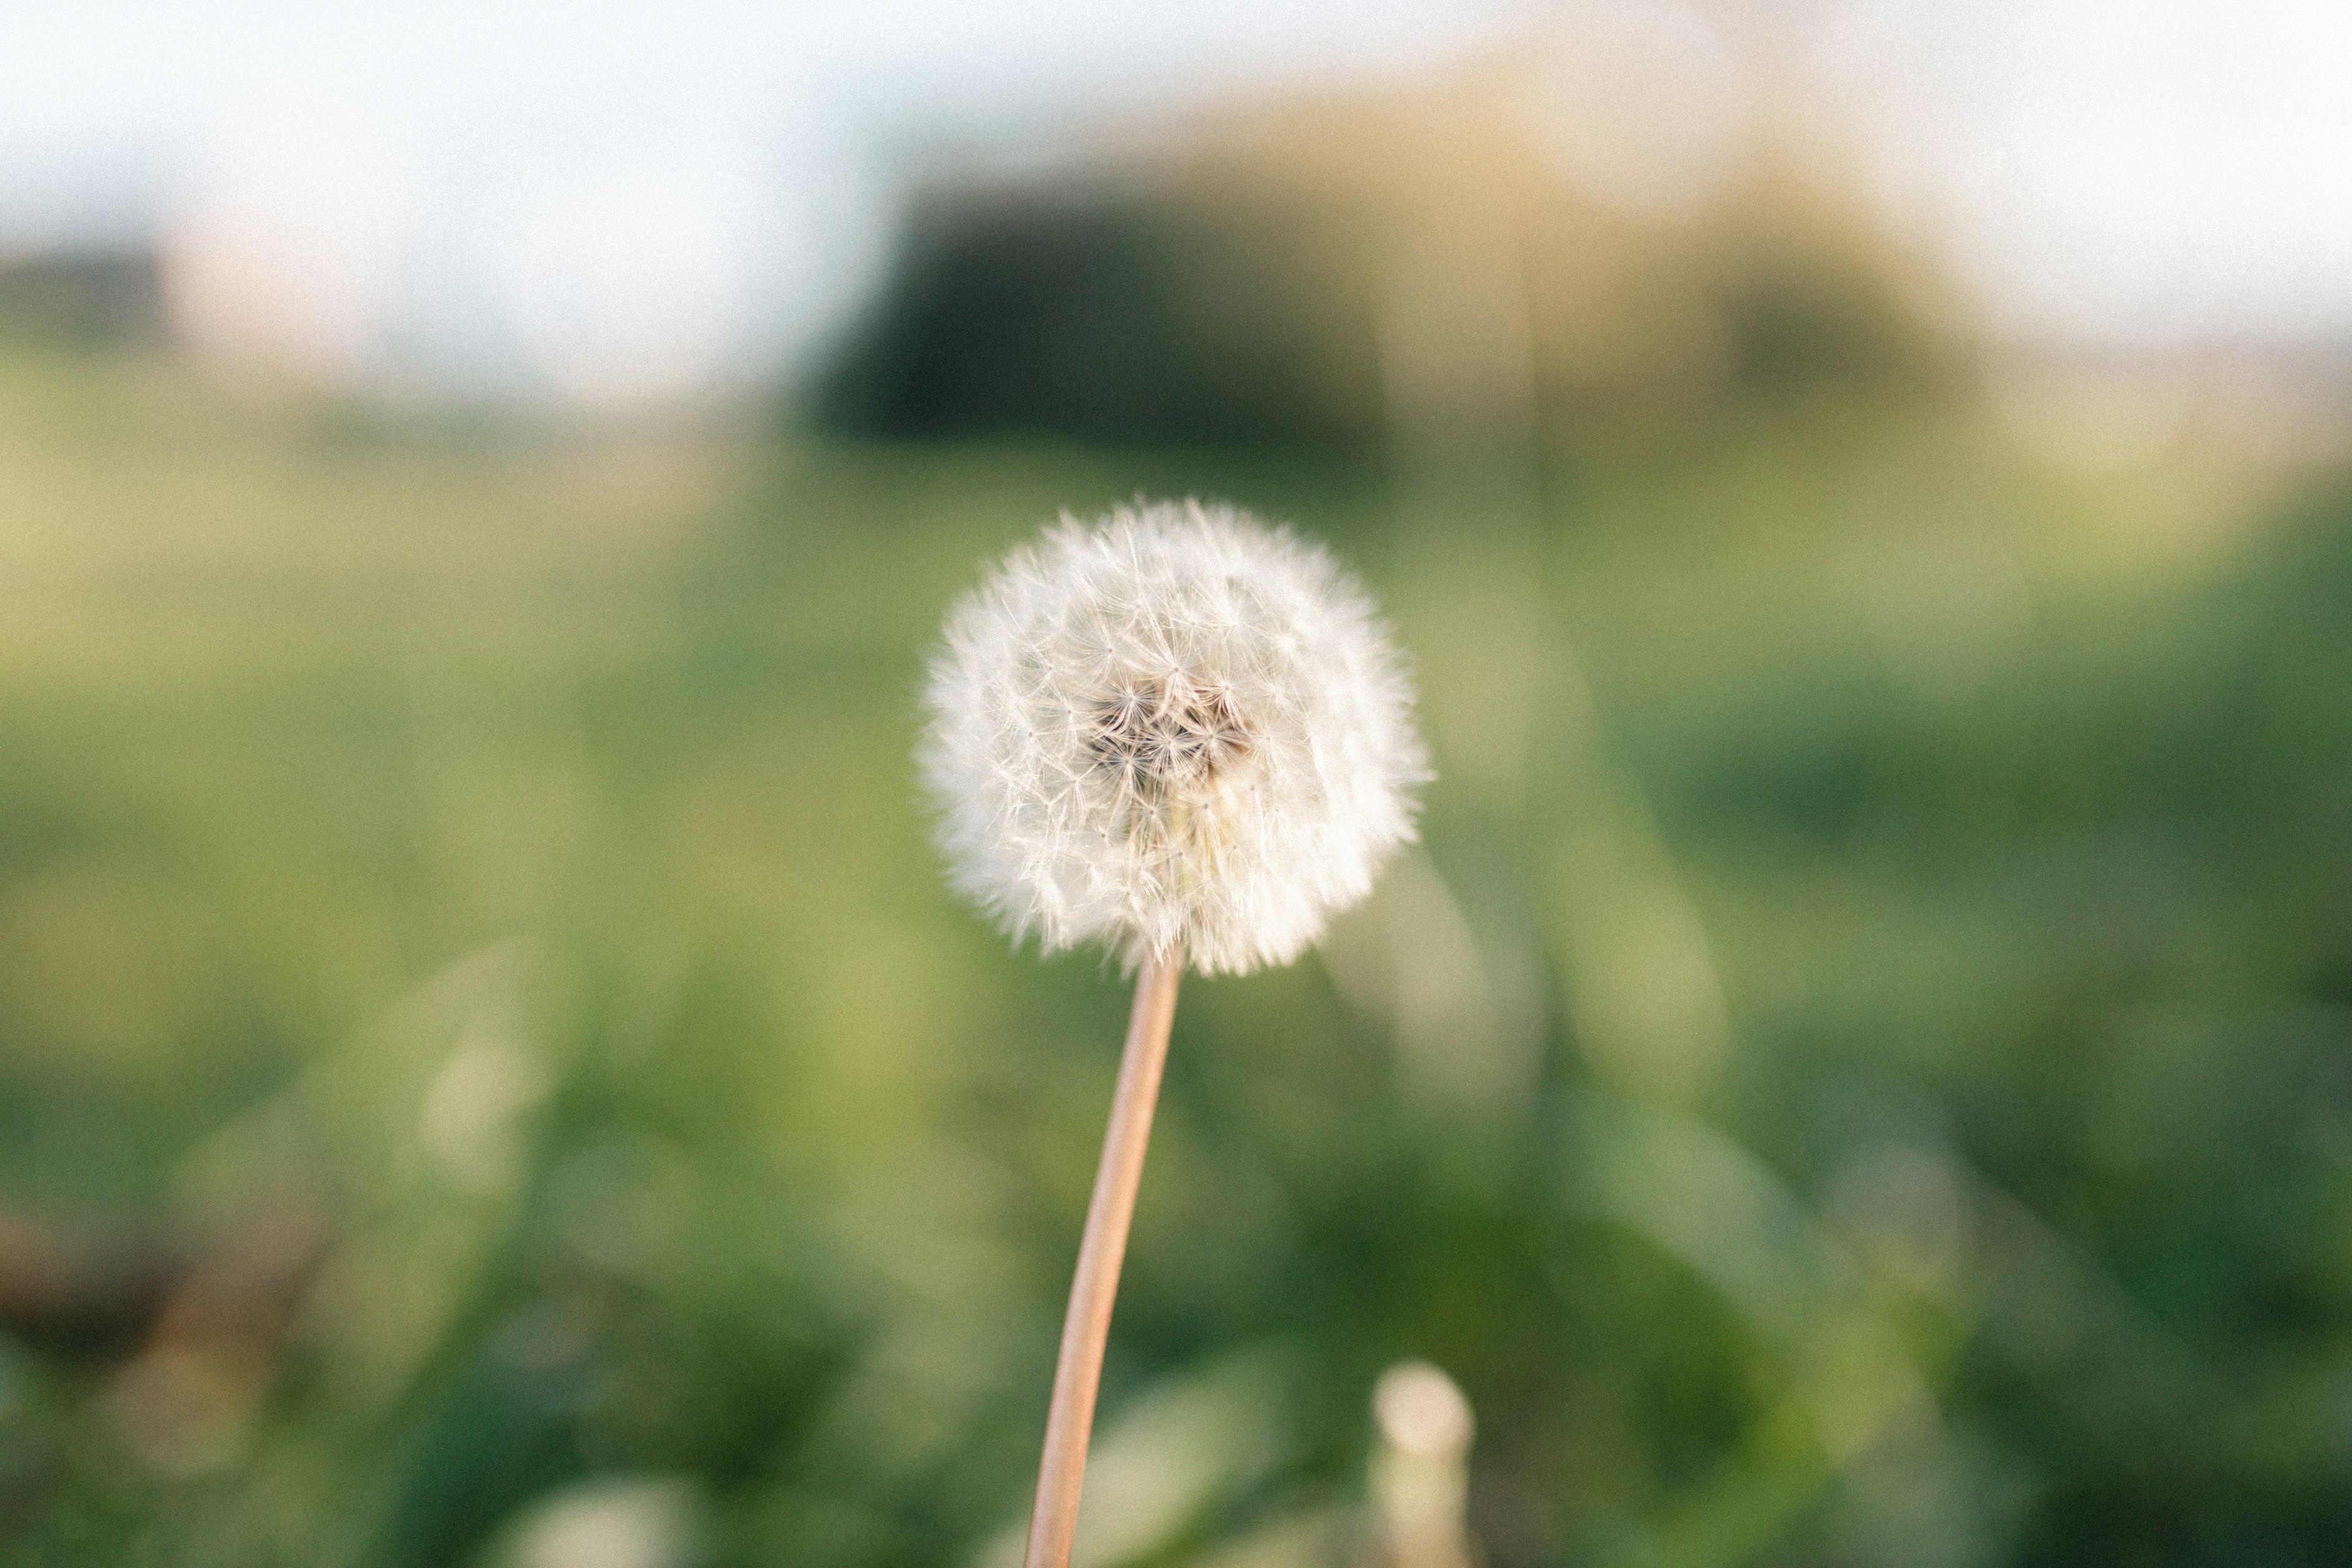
(1070, 1420)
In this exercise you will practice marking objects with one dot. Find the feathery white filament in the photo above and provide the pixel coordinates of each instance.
(1174, 729)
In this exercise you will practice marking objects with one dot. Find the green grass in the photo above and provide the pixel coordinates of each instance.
(1855, 1075)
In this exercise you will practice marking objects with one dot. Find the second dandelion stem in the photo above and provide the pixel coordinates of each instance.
(1070, 1420)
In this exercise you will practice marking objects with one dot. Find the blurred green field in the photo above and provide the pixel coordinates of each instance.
(1859, 1072)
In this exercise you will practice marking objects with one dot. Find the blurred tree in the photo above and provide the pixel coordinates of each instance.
(81, 298)
(1423, 264)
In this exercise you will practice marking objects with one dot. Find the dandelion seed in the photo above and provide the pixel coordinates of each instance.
(1187, 737)
(1175, 731)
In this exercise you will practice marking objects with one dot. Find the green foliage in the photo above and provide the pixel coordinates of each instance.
(1856, 1075)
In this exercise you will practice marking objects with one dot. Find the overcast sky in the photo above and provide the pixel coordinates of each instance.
(486, 188)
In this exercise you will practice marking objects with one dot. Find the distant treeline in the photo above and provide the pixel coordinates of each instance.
(1387, 264)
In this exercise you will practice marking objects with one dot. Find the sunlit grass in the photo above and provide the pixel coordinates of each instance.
(497, 849)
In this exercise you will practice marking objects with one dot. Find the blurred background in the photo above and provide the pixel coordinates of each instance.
(1858, 1072)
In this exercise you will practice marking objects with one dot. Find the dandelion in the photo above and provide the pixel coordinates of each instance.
(1184, 736)
(1420, 1472)
(1174, 731)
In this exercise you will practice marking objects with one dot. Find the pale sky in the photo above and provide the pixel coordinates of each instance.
(630, 199)
(2128, 168)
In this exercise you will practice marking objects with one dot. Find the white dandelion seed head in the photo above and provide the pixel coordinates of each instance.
(1172, 730)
